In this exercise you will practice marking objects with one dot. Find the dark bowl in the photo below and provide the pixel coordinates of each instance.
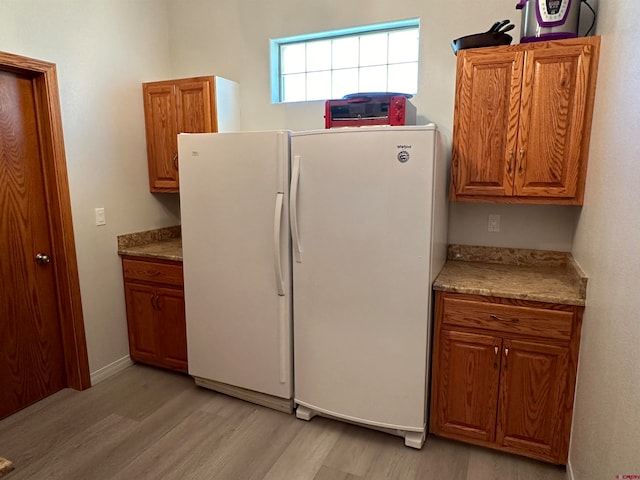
(485, 39)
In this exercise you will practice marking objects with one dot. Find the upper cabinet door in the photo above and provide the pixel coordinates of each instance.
(195, 105)
(162, 131)
(522, 122)
(171, 107)
(554, 98)
(486, 122)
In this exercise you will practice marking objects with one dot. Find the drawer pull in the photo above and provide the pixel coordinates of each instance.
(504, 319)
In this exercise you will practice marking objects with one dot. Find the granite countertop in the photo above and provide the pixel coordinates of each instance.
(162, 244)
(539, 275)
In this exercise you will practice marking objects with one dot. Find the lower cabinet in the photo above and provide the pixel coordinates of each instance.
(154, 298)
(504, 373)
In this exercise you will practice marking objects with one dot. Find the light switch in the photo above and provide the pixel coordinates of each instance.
(100, 218)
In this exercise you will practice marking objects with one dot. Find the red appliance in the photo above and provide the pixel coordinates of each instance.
(359, 109)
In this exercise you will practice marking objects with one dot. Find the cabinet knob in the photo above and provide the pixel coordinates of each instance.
(522, 160)
(506, 351)
(510, 165)
(175, 161)
(495, 349)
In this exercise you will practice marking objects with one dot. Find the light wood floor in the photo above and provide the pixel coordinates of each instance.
(150, 424)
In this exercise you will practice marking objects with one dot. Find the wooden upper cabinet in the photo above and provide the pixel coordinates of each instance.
(486, 122)
(172, 107)
(195, 107)
(522, 122)
(161, 126)
(552, 121)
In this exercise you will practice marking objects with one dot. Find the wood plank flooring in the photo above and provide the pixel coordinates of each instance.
(146, 423)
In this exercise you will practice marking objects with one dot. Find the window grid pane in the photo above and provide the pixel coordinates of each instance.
(332, 67)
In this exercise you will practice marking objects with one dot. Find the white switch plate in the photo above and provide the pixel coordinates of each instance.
(493, 225)
(100, 218)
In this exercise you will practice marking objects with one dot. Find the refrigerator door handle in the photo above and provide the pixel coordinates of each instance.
(283, 339)
(293, 209)
(277, 261)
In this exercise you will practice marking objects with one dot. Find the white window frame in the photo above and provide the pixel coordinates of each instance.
(276, 44)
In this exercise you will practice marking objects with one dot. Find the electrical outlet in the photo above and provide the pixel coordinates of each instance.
(100, 218)
(493, 225)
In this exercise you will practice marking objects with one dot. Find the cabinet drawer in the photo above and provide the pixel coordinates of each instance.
(539, 322)
(146, 271)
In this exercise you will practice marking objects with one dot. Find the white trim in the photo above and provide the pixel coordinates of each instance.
(111, 369)
(570, 471)
(364, 29)
(275, 46)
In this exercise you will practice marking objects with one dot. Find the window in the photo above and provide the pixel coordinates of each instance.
(376, 58)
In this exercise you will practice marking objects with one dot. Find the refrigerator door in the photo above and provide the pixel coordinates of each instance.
(361, 223)
(236, 249)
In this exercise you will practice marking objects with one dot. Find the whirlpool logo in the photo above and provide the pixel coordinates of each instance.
(403, 154)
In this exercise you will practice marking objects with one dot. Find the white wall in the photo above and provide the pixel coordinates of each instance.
(606, 428)
(103, 51)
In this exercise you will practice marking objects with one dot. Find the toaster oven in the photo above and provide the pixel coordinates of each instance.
(362, 109)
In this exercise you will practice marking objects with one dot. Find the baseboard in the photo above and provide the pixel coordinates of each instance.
(570, 471)
(111, 369)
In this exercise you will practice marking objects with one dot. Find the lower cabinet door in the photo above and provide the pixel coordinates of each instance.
(143, 345)
(532, 394)
(467, 367)
(172, 332)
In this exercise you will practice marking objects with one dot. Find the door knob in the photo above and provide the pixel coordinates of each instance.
(42, 258)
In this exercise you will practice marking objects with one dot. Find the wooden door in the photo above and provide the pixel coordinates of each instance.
(32, 363)
(172, 331)
(555, 91)
(533, 386)
(486, 122)
(141, 302)
(466, 384)
(162, 141)
(196, 106)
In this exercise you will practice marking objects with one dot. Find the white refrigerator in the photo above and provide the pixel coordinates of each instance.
(237, 268)
(368, 212)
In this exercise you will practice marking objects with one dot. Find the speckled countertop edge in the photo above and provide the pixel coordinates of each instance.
(539, 275)
(162, 243)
